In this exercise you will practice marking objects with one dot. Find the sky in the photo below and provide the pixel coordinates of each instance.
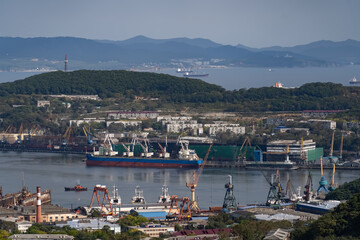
(253, 23)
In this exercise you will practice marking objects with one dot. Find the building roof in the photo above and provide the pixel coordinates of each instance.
(201, 232)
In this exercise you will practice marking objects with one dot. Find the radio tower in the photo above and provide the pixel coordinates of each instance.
(65, 61)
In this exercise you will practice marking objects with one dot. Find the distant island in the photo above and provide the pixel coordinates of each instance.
(18, 54)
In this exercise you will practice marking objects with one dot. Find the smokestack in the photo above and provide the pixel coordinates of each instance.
(38, 205)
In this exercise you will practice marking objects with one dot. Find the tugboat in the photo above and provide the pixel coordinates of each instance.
(77, 188)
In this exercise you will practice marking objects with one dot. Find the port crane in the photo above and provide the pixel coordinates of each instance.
(88, 135)
(66, 136)
(21, 128)
(332, 187)
(229, 199)
(322, 182)
(275, 195)
(308, 188)
(192, 185)
(242, 155)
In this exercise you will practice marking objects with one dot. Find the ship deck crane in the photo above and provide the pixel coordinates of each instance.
(128, 152)
(192, 185)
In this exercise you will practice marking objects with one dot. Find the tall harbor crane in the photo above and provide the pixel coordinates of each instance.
(275, 195)
(192, 185)
(229, 199)
(66, 136)
(322, 182)
(332, 187)
(88, 135)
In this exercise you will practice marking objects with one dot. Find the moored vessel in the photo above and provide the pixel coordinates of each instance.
(106, 156)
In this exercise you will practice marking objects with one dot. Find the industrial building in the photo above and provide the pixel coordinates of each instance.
(298, 152)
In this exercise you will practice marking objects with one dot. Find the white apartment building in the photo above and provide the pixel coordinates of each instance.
(224, 127)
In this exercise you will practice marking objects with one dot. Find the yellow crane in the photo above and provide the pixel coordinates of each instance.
(333, 186)
(341, 146)
(192, 185)
(66, 136)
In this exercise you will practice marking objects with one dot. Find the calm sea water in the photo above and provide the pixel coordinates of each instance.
(56, 171)
(236, 78)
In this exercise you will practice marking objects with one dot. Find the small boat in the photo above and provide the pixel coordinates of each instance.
(77, 188)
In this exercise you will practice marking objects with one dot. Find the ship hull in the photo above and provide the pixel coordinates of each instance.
(140, 162)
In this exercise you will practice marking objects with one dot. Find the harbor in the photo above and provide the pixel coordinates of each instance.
(56, 171)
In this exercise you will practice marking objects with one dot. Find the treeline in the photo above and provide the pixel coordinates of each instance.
(127, 84)
(342, 223)
(345, 191)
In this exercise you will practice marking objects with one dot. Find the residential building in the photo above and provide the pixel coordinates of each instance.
(132, 115)
(225, 127)
(154, 230)
(90, 224)
(177, 128)
(327, 124)
(78, 97)
(319, 113)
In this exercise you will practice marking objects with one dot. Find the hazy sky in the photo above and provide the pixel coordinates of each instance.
(254, 23)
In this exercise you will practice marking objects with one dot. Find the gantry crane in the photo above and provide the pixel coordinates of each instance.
(105, 206)
(192, 185)
(19, 137)
(180, 213)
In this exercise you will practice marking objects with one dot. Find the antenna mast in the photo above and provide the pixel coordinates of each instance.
(66, 62)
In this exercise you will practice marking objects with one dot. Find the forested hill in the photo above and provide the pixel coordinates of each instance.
(173, 89)
(109, 84)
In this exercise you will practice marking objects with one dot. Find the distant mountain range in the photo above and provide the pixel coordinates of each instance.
(143, 52)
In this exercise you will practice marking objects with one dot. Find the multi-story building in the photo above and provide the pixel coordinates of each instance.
(177, 128)
(132, 115)
(328, 124)
(224, 127)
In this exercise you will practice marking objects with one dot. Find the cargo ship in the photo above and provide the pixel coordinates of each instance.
(106, 156)
(354, 81)
(188, 74)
